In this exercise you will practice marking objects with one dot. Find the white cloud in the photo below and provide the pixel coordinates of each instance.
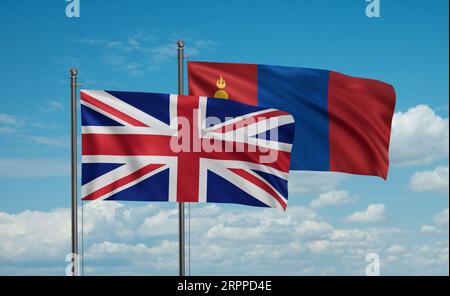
(303, 182)
(52, 106)
(441, 218)
(426, 228)
(18, 122)
(102, 42)
(434, 181)
(234, 232)
(374, 213)
(430, 257)
(162, 223)
(120, 239)
(332, 199)
(8, 119)
(144, 52)
(34, 167)
(7, 130)
(440, 221)
(313, 229)
(34, 235)
(107, 248)
(9, 124)
(419, 136)
(24, 129)
(157, 258)
(319, 245)
(58, 141)
(395, 249)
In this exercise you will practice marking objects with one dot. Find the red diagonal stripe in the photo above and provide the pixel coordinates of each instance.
(122, 181)
(249, 177)
(249, 120)
(93, 101)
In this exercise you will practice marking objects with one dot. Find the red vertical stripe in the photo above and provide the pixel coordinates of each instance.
(360, 112)
(188, 172)
(241, 80)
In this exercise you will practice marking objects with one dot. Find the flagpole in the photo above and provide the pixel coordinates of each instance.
(181, 226)
(73, 114)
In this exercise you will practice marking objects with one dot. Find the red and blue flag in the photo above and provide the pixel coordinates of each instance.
(342, 123)
(161, 147)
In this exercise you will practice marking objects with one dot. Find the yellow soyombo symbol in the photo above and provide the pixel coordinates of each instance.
(221, 93)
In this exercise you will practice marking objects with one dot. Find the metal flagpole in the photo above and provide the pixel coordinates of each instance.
(181, 225)
(73, 99)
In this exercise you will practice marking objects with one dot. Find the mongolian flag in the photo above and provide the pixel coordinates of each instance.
(342, 123)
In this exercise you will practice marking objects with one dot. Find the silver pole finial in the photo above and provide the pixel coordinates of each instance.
(73, 71)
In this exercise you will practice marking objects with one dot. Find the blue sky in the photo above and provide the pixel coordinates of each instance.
(131, 46)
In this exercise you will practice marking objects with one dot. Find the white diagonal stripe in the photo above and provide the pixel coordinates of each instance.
(125, 108)
(130, 130)
(238, 164)
(242, 138)
(101, 111)
(245, 185)
(239, 118)
(132, 183)
(132, 164)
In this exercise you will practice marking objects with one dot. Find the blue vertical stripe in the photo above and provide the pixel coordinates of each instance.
(303, 93)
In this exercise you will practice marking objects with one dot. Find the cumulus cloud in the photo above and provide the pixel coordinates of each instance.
(311, 228)
(395, 249)
(419, 136)
(426, 228)
(430, 257)
(374, 213)
(430, 181)
(441, 218)
(318, 245)
(143, 51)
(161, 223)
(440, 223)
(303, 182)
(142, 239)
(159, 257)
(34, 236)
(108, 248)
(332, 199)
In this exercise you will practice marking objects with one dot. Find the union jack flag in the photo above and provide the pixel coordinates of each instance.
(161, 147)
